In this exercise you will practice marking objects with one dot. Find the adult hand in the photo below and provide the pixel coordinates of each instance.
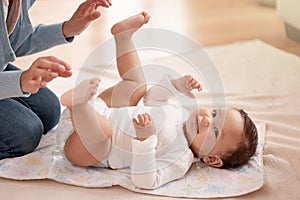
(186, 84)
(42, 71)
(144, 126)
(83, 16)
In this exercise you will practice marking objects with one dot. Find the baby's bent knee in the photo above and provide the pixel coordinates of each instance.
(137, 95)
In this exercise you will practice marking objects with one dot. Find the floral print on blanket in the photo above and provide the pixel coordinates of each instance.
(201, 181)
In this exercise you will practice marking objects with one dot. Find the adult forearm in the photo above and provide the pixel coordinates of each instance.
(10, 84)
(42, 37)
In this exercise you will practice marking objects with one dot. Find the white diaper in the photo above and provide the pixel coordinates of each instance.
(100, 107)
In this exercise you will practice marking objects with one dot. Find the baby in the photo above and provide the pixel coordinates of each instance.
(156, 140)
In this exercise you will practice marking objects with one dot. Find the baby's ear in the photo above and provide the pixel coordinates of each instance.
(213, 161)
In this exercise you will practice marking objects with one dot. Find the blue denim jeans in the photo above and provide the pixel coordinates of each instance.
(23, 121)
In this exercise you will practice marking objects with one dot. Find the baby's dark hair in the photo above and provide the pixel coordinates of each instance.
(246, 148)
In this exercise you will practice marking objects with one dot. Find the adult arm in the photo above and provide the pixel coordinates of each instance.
(41, 38)
(10, 84)
(21, 83)
(46, 36)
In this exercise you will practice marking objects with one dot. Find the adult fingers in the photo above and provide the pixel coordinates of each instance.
(59, 61)
(51, 63)
(33, 86)
(91, 5)
(54, 64)
(109, 1)
(103, 3)
(45, 75)
(91, 17)
(43, 84)
(65, 74)
(85, 7)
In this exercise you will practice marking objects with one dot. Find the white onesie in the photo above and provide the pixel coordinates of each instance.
(159, 159)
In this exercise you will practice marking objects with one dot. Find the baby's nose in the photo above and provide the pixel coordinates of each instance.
(204, 121)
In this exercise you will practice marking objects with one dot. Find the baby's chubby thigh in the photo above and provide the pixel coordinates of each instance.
(102, 112)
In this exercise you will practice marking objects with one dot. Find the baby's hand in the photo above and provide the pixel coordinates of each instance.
(144, 127)
(186, 84)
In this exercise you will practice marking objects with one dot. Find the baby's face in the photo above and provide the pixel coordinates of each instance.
(214, 130)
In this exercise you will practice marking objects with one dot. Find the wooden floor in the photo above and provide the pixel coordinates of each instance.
(208, 22)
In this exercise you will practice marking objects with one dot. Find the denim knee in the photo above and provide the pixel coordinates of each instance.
(31, 137)
(22, 140)
(45, 104)
(52, 115)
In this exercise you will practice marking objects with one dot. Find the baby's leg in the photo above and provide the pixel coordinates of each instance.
(133, 86)
(90, 141)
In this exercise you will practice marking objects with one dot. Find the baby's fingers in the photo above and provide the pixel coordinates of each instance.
(147, 119)
(139, 121)
(135, 122)
(142, 119)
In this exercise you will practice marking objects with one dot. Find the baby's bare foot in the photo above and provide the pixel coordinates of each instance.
(85, 91)
(131, 23)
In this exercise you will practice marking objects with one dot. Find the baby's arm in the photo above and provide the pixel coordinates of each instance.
(160, 93)
(150, 172)
(186, 84)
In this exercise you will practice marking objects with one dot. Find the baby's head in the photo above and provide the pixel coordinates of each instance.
(224, 138)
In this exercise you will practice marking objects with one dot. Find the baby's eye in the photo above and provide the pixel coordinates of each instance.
(216, 132)
(214, 113)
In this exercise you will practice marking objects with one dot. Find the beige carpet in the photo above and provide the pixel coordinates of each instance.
(257, 77)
